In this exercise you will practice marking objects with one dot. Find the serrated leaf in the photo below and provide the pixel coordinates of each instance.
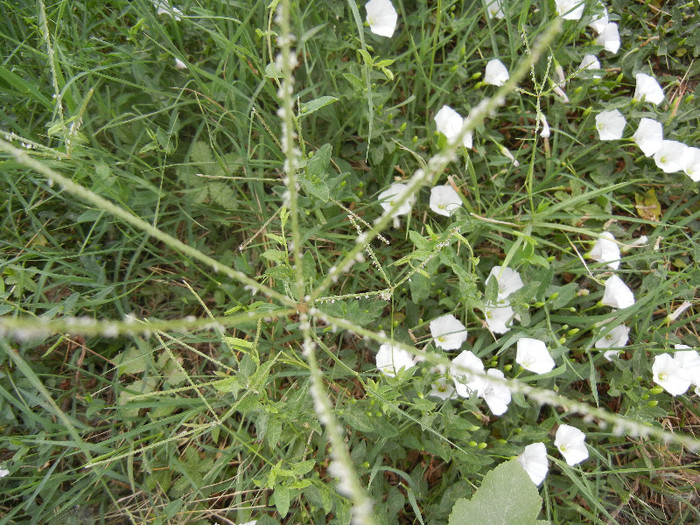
(274, 255)
(507, 496)
(315, 104)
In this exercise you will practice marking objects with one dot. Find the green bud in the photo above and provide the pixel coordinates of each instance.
(562, 340)
(653, 403)
(573, 331)
(473, 443)
(656, 390)
(403, 127)
(482, 446)
(645, 396)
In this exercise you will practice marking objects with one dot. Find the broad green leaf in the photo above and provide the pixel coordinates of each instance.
(281, 499)
(507, 496)
(132, 361)
(316, 104)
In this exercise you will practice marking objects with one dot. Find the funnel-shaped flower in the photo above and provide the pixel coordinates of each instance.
(496, 73)
(669, 156)
(391, 359)
(599, 19)
(617, 293)
(610, 125)
(444, 200)
(496, 394)
(571, 443)
(615, 338)
(590, 62)
(448, 332)
(381, 17)
(606, 250)
(648, 89)
(466, 383)
(534, 461)
(669, 374)
(649, 136)
(532, 355)
(570, 9)
(499, 318)
(495, 10)
(449, 123)
(609, 38)
(691, 163)
(391, 195)
(508, 280)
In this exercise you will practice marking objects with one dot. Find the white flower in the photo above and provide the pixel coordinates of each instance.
(669, 374)
(381, 17)
(163, 8)
(642, 240)
(391, 359)
(649, 136)
(609, 38)
(466, 383)
(689, 361)
(532, 355)
(495, 393)
(496, 73)
(669, 156)
(4, 472)
(495, 10)
(691, 163)
(592, 63)
(570, 442)
(610, 125)
(611, 354)
(442, 389)
(534, 461)
(615, 338)
(179, 64)
(648, 89)
(599, 20)
(508, 280)
(449, 333)
(606, 250)
(570, 9)
(444, 200)
(499, 318)
(389, 196)
(449, 123)
(617, 293)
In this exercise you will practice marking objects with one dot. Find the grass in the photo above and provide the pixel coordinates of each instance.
(161, 361)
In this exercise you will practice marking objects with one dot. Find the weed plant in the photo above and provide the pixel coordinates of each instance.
(199, 280)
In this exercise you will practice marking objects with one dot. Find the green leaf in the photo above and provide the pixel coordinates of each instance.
(316, 104)
(507, 496)
(281, 499)
(133, 361)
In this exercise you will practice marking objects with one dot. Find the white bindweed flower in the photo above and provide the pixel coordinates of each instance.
(610, 125)
(448, 332)
(609, 38)
(496, 394)
(496, 73)
(494, 9)
(611, 354)
(442, 389)
(164, 8)
(546, 132)
(449, 123)
(649, 136)
(391, 195)
(606, 250)
(615, 338)
(466, 383)
(4, 472)
(617, 293)
(534, 461)
(532, 355)
(689, 362)
(669, 156)
(179, 64)
(590, 62)
(444, 200)
(381, 17)
(691, 163)
(648, 89)
(571, 443)
(499, 318)
(600, 19)
(391, 359)
(508, 280)
(570, 9)
(669, 374)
